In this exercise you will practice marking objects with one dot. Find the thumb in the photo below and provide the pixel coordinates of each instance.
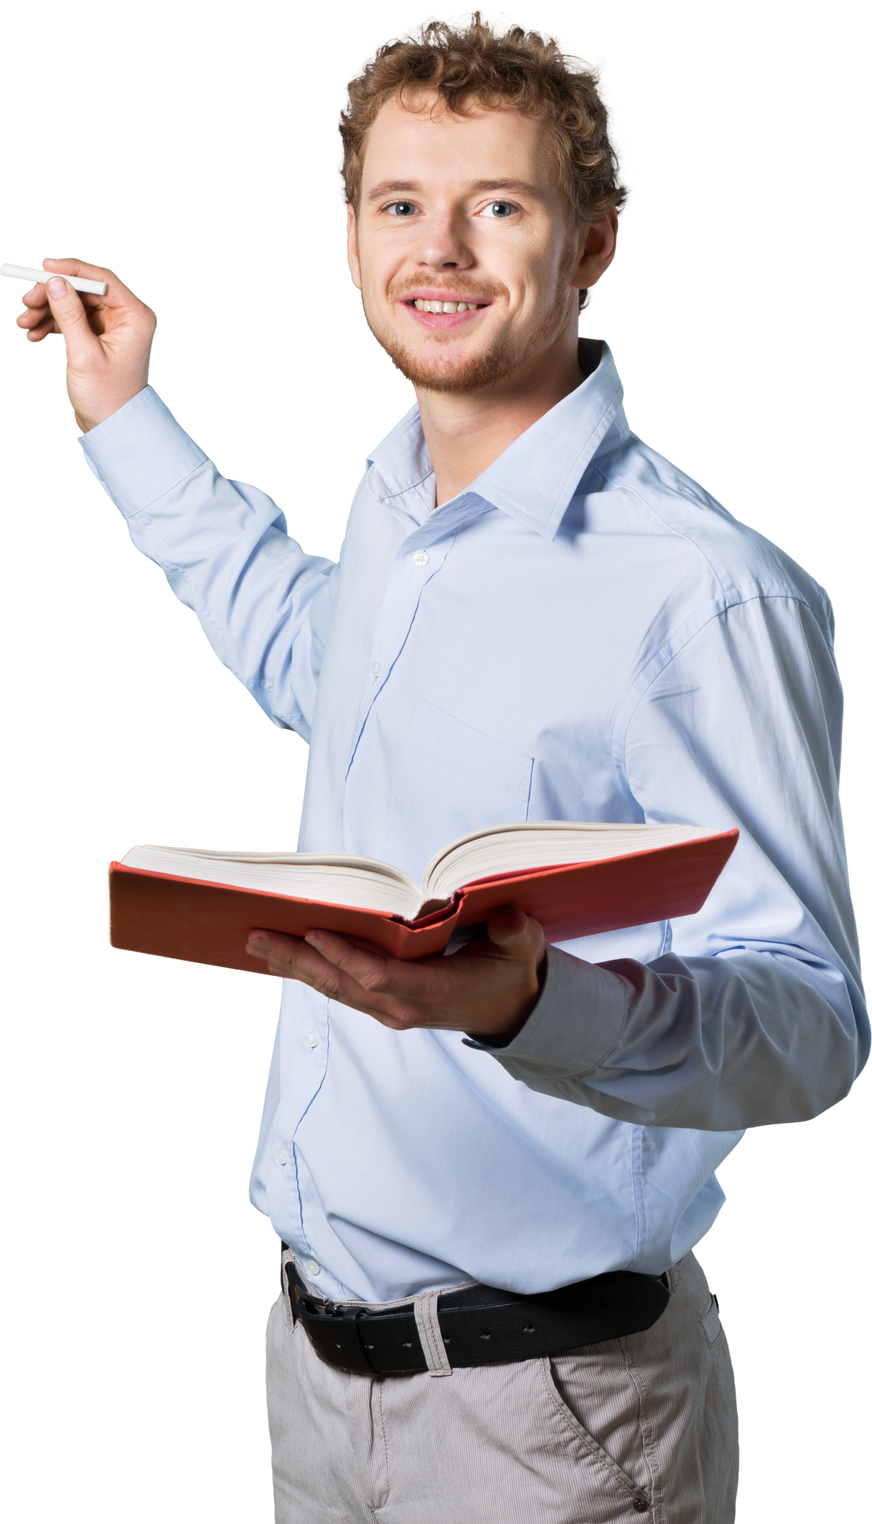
(510, 925)
(67, 310)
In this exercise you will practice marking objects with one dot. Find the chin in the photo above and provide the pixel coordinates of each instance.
(429, 366)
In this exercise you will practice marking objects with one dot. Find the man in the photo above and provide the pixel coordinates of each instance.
(534, 616)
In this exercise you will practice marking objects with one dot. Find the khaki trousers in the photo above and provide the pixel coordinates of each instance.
(637, 1428)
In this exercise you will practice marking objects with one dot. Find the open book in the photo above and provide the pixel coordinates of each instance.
(576, 879)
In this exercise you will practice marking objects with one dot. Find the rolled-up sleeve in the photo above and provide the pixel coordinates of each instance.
(264, 604)
(754, 1014)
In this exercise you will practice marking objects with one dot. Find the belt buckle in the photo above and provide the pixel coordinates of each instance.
(314, 1306)
(336, 1338)
(294, 1290)
(300, 1292)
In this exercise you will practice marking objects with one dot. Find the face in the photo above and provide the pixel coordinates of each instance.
(466, 213)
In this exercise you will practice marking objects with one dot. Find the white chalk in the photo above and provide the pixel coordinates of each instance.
(21, 272)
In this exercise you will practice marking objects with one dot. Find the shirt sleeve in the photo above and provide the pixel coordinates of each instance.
(264, 604)
(755, 1013)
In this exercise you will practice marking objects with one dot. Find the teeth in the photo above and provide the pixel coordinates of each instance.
(423, 306)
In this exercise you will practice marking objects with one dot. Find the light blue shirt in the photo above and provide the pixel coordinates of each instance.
(582, 634)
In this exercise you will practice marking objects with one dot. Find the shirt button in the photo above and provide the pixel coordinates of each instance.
(375, 669)
(281, 1156)
(420, 558)
(311, 1039)
(311, 1267)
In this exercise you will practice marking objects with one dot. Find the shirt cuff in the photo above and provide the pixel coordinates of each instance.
(140, 452)
(576, 1022)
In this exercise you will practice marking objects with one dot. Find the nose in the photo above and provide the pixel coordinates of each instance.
(443, 245)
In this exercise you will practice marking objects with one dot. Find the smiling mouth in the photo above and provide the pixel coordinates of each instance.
(424, 307)
(441, 322)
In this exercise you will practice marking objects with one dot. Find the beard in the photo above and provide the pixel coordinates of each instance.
(450, 364)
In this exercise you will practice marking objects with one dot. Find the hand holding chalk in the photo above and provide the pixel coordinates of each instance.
(108, 341)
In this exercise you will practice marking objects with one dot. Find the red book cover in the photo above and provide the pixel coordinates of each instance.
(209, 923)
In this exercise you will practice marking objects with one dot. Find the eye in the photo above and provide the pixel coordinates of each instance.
(490, 203)
(401, 208)
(499, 209)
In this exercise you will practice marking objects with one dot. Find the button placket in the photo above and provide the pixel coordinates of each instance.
(421, 558)
(400, 606)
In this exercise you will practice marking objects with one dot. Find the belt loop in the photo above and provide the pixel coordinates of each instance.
(432, 1343)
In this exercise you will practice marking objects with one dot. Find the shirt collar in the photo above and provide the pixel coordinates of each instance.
(536, 476)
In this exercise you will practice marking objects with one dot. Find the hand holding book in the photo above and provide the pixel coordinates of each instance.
(488, 988)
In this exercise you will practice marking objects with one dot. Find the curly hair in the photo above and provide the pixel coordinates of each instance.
(474, 66)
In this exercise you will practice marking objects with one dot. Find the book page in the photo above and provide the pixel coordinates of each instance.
(528, 844)
(337, 878)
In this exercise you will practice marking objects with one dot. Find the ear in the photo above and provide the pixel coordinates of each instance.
(598, 247)
(353, 256)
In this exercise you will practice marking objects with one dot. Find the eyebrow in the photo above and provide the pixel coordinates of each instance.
(409, 187)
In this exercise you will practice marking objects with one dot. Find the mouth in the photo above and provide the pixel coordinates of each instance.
(436, 320)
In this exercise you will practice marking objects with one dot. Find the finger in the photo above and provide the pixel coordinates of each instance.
(38, 324)
(370, 970)
(507, 925)
(313, 956)
(35, 314)
(273, 946)
(346, 973)
(78, 267)
(295, 959)
(41, 332)
(34, 300)
(397, 986)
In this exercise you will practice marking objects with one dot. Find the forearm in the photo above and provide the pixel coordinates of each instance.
(709, 1042)
(224, 549)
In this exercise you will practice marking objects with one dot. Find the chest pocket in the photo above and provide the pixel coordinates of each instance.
(451, 779)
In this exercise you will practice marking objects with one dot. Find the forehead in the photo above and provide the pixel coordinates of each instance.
(439, 147)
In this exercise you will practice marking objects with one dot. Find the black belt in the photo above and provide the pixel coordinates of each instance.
(481, 1325)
